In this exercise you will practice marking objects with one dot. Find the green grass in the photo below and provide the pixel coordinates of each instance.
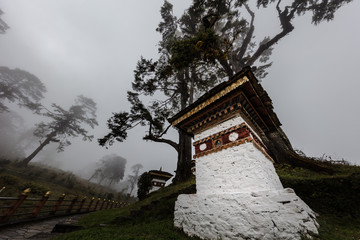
(41, 178)
(156, 230)
(333, 227)
(154, 223)
(335, 197)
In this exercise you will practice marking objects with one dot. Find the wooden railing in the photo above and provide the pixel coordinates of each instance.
(22, 208)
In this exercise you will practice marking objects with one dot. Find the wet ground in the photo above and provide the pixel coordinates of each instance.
(36, 230)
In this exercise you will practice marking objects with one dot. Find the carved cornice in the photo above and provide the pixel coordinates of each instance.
(230, 137)
(211, 100)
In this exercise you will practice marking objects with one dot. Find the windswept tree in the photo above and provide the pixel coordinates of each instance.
(211, 41)
(133, 179)
(111, 168)
(22, 87)
(65, 124)
(3, 25)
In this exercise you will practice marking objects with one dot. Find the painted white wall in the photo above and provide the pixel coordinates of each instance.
(237, 120)
(240, 196)
(155, 188)
(241, 168)
(269, 215)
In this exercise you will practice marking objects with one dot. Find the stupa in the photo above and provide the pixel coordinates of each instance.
(158, 179)
(239, 195)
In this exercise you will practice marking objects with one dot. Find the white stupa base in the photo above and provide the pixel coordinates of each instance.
(278, 214)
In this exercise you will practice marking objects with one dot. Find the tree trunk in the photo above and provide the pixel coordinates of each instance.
(26, 161)
(183, 171)
(282, 152)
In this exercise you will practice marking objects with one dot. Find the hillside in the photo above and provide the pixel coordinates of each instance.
(334, 197)
(41, 178)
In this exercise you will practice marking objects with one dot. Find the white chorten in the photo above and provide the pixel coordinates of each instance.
(239, 195)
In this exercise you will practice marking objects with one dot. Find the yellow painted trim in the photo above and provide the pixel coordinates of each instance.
(161, 175)
(219, 95)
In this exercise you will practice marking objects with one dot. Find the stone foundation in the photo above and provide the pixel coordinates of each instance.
(266, 215)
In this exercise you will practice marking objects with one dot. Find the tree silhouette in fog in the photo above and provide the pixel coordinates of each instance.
(208, 44)
(111, 168)
(3, 25)
(133, 179)
(19, 86)
(65, 124)
(22, 87)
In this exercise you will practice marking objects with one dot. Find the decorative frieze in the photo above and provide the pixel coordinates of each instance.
(237, 186)
(230, 137)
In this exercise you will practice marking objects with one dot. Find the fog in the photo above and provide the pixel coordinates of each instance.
(91, 48)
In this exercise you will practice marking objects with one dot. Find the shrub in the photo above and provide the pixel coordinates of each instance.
(6, 180)
(4, 162)
(144, 185)
(35, 188)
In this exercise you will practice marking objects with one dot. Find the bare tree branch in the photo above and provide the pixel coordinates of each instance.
(162, 140)
(249, 34)
(285, 21)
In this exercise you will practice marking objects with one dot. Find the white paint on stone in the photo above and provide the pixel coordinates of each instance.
(237, 120)
(202, 147)
(240, 196)
(267, 215)
(241, 168)
(155, 188)
(233, 136)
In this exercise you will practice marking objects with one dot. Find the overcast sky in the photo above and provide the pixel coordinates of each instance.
(91, 48)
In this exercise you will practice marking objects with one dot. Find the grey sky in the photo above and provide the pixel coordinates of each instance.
(91, 48)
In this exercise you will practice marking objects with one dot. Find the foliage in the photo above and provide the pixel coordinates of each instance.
(3, 25)
(160, 207)
(65, 124)
(144, 185)
(133, 179)
(42, 178)
(20, 86)
(35, 187)
(7, 179)
(210, 42)
(328, 194)
(110, 168)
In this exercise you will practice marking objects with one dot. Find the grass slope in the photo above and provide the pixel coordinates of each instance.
(41, 178)
(150, 219)
(335, 197)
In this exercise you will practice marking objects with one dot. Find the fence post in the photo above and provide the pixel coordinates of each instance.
(41, 203)
(57, 204)
(72, 205)
(91, 202)
(102, 204)
(81, 204)
(14, 205)
(97, 203)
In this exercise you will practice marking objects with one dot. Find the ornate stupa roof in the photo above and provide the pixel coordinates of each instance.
(242, 94)
(159, 174)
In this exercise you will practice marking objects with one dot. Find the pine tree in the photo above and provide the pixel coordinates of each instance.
(211, 41)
